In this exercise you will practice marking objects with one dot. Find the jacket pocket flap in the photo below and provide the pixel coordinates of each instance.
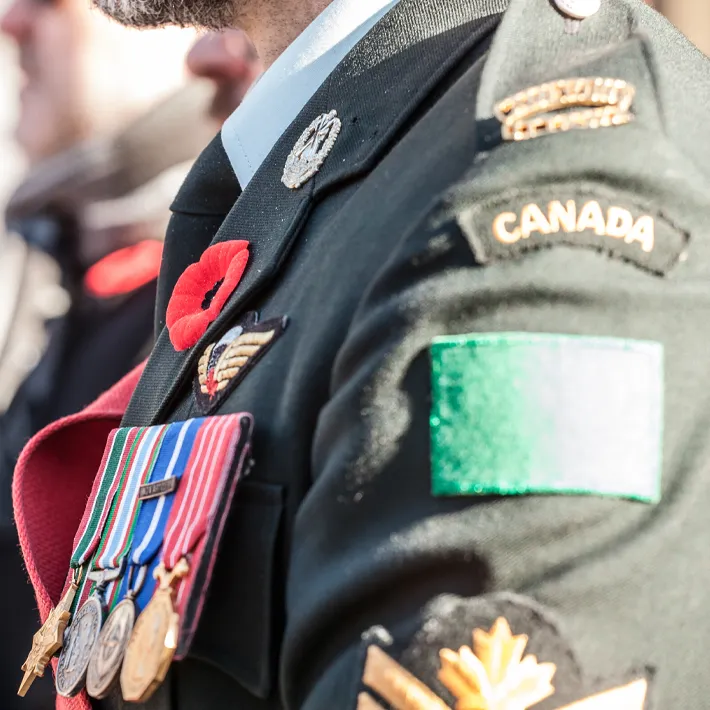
(237, 630)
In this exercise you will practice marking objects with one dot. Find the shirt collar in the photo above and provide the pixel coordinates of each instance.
(285, 88)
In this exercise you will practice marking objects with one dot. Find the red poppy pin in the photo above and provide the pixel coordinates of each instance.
(202, 290)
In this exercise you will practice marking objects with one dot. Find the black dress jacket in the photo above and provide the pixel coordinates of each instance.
(336, 541)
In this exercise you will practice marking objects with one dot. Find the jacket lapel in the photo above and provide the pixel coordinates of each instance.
(199, 209)
(419, 42)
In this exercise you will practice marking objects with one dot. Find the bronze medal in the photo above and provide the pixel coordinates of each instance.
(105, 664)
(48, 640)
(80, 642)
(154, 640)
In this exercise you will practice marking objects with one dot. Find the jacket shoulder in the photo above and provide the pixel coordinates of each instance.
(624, 40)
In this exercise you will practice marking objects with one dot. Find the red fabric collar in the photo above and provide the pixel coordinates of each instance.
(51, 485)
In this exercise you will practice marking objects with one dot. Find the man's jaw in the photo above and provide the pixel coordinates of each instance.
(204, 14)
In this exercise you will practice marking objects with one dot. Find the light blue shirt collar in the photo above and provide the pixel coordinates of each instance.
(285, 88)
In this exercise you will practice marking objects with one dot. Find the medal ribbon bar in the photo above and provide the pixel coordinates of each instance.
(102, 495)
(154, 639)
(168, 460)
(121, 536)
(134, 437)
(196, 498)
(154, 512)
(107, 566)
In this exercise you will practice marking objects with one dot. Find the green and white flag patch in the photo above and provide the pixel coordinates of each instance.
(534, 413)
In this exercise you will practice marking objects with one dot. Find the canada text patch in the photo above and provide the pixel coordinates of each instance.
(533, 413)
(510, 225)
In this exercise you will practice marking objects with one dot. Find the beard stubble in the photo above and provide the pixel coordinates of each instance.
(205, 14)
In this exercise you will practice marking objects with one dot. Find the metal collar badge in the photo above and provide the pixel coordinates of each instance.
(311, 150)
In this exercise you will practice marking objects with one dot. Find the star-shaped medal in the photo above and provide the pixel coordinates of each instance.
(48, 640)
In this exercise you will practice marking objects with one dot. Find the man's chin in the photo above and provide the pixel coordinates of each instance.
(134, 13)
(209, 14)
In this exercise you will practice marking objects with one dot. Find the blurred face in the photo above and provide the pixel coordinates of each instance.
(229, 60)
(49, 35)
(85, 75)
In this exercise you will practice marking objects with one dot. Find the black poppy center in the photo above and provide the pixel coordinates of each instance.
(209, 296)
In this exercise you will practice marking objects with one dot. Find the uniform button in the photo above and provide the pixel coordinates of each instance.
(578, 9)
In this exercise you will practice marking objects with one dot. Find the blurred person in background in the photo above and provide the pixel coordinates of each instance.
(229, 60)
(107, 123)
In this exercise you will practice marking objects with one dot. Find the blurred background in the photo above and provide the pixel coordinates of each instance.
(9, 87)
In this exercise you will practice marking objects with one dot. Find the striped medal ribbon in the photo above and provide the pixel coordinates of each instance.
(155, 511)
(85, 542)
(140, 452)
(117, 451)
(155, 497)
(154, 639)
(116, 541)
(195, 503)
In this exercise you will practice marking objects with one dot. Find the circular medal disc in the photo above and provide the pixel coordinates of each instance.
(78, 647)
(148, 658)
(105, 664)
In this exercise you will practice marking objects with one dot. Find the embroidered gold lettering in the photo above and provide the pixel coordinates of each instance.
(591, 217)
(533, 220)
(562, 218)
(618, 222)
(569, 218)
(501, 232)
(643, 232)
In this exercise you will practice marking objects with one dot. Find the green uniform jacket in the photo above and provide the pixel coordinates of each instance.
(403, 496)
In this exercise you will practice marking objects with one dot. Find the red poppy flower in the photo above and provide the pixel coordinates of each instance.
(202, 290)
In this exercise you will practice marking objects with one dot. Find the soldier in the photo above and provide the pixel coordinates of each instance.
(435, 305)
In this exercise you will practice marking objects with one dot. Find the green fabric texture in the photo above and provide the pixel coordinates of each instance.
(522, 413)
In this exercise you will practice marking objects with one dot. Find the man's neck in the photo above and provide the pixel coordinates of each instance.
(274, 24)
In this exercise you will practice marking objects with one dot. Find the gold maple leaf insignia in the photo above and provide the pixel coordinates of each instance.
(494, 675)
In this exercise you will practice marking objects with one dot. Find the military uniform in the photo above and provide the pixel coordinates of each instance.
(487, 409)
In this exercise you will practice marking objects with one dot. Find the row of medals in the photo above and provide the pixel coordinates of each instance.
(99, 651)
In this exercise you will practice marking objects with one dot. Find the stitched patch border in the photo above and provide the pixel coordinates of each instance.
(477, 224)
